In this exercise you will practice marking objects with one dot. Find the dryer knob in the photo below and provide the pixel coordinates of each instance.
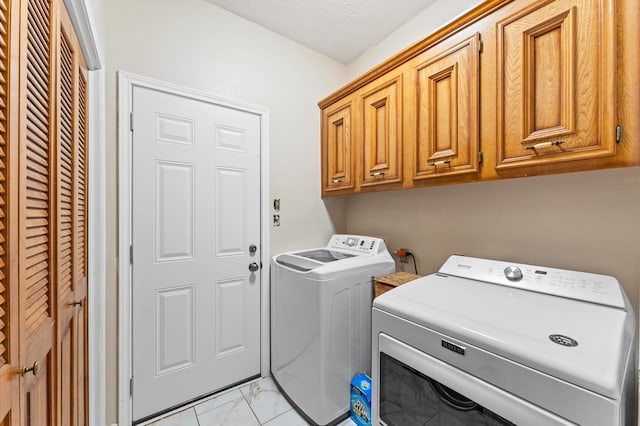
(513, 273)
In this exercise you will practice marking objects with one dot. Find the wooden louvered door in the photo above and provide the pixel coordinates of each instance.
(71, 224)
(80, 250)
(9, 343)
(43, 217)
(64, 217)
(37, 200)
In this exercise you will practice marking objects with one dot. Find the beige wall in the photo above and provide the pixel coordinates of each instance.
(195, 44)
(586, 221)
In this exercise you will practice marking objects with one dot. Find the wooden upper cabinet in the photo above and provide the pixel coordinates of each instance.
(510, 88)
(447, 110)
(381, 132)
(556, 67)
(337, 147)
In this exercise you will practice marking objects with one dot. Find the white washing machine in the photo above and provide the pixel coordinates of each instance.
(491, 342)
(321, 322)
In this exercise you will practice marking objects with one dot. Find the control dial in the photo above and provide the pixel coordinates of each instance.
(351, 242)
(513, 273)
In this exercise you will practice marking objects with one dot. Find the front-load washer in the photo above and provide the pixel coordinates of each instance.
(502, 343)
(321, 322)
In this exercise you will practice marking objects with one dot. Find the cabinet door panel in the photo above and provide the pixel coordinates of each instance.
(337, 149)
(556, 86)
(382, 134)
(448, 108)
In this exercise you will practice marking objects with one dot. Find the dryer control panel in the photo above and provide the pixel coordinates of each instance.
(357, 243)
(595, 288)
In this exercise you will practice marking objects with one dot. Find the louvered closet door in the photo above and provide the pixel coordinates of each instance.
(9, 344)
(80, 249)
(37, 200)
(71, 224)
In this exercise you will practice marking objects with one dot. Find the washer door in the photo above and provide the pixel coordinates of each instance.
(418, 389)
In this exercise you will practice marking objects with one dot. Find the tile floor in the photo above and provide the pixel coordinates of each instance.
(255, 403)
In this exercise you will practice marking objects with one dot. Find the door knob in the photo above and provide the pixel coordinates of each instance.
(253, 267)
(33, 369)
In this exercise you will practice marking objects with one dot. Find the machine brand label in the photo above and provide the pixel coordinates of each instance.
(562, 340)
(453, 348)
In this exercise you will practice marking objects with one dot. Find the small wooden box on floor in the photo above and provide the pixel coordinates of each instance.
(385, 283)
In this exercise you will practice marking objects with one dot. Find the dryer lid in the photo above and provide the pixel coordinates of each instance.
(584, 343)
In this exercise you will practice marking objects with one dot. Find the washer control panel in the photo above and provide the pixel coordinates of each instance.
(356, 243)
(588, 287)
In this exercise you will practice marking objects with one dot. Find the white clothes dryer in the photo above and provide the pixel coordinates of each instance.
(501, 343)
(321, 322)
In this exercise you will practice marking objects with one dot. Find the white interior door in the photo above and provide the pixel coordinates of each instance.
(196, 214)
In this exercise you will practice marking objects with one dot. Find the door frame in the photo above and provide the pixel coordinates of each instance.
(126, 83)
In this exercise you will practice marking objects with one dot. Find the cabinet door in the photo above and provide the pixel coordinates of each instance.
(337, 147)
(448, 108)
(382, 133)
(556, 82)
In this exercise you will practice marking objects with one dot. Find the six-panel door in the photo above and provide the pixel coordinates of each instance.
(196, 213)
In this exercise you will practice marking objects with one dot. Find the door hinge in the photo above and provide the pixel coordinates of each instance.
(131, 121)
(131, 386)
(618, 133)
(131, 255)
(480, 157)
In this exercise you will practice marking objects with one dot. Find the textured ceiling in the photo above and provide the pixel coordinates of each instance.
(341, 29)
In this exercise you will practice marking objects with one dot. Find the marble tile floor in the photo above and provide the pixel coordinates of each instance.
(258, 402)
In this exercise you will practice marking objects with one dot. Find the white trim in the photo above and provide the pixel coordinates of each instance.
(126, 84)
(77, 11)
(96, 248)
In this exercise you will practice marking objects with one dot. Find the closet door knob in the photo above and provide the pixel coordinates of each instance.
(33, 369)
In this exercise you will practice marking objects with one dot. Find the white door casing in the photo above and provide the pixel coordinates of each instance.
(198, 313)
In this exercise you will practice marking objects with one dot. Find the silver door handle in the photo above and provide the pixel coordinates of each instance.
(253, 267)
